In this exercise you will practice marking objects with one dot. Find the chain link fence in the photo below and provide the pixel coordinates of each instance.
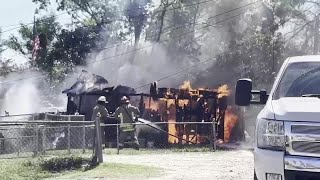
(50, 134)
(161, 135)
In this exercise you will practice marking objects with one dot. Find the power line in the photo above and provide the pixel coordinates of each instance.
(273, 44)
(208, 25)
(300, 29)
(21, 79)
(31, 23)
(211, 17)
(128, 52)
(212, 58)
(181, 35)
(183, 70)
(191, 4)
(235, 9)
(179, 72)
(297, 15)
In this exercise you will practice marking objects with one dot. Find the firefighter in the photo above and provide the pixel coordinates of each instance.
(100, 108)
(127, 114)
(101, 111)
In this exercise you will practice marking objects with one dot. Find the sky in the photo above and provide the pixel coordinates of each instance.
(12, 13)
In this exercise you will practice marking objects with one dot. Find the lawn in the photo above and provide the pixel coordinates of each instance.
(114, 171)
(17, 169)
(21, 169)
(28, 168)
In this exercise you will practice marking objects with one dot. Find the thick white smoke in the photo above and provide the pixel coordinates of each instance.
(27, 93)
(21, 97)
(151, 62)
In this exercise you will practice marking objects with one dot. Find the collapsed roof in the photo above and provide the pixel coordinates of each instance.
(93, 84)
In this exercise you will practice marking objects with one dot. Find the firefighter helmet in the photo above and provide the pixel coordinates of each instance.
(125, 100)
(102, 99)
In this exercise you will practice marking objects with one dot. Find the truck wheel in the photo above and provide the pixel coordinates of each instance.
(255, 176)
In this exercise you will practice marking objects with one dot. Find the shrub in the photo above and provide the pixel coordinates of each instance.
(58, 164)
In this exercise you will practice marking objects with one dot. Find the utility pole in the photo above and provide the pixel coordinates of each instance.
(316, 36)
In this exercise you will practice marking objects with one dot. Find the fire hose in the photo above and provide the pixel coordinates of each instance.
(166, 132)
(137, 120)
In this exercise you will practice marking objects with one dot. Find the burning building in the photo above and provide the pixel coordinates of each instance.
(187, 113)
(188, 105)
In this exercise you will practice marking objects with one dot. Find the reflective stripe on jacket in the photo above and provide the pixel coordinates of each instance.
(126, 115)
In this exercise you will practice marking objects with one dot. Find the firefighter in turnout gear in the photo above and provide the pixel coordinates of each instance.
(101, 111)
(127, 114)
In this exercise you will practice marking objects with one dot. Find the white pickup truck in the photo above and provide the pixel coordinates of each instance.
(287, 143)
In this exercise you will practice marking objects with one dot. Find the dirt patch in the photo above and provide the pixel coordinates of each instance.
(223, 165)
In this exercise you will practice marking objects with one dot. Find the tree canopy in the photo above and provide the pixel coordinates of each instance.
(246, 38)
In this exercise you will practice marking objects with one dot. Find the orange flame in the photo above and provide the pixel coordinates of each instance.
(230, 121)
(186, 85)
(152, 105)
(167, 109)
(223, 91)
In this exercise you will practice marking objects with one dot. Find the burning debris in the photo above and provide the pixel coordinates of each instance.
(182, 109)
(223, 91)
(230, 122)
(87, 83)
(187, 104)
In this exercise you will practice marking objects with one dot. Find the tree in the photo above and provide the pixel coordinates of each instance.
(255, 44)
(175, 28)
(6, 66)
(1, 44)
(60, 49)
(101, 15)
(136, 15)
(252, 44)
(96, 10)
(106, 17)
(46, 27)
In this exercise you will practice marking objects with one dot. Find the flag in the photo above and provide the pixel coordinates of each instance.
(36, 41)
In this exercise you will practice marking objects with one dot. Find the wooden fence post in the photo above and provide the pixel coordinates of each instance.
(98, 145)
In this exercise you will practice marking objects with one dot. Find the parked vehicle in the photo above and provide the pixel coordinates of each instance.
(287, 145)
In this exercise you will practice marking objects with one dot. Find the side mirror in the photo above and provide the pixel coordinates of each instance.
(263, 96)
(243, 92)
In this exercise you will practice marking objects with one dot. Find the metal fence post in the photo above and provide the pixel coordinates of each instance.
(44, 140)
(214, 135)
(19, 140)
(83, 138)
(37, 140)
(118, 138)
(69, 136)
(44, 135)
(98, 145)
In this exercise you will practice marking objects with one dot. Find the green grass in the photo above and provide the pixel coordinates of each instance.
(114, 171)
(17, 169)
(29, 169)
